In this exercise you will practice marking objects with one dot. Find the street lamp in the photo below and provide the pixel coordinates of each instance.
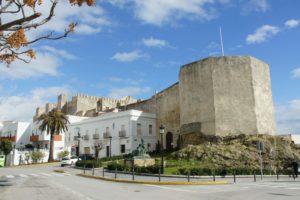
(161, 131)
(110, 137)
(78, 138)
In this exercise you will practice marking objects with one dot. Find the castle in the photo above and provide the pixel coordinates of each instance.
(218, 96)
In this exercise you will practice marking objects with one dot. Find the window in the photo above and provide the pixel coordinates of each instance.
(122, 148)
(150, 129)
(122, 127)
(139, 129)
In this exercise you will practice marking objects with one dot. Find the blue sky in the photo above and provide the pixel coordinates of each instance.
(135, 47)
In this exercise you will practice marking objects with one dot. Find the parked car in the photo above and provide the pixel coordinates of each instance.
(69, 160)
(87, 157)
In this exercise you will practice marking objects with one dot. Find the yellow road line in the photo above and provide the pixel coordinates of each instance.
(155, 182)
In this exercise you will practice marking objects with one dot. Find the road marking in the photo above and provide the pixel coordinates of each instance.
(170, 188)
(56, 174)
(293, 188)
(23, 175)
(10, 176)
(45, 174)
(34, 175)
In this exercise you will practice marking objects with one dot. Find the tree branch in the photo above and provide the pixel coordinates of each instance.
(19, 21)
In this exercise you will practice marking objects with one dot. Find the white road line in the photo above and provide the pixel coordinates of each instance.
(34, 175)
(45, 174)
(293, 188)
(10, 176)
(23, 175)
(56, 174)
(171, 188)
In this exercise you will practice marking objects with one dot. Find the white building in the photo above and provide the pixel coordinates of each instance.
(296, 138)
(117, 132)
(15, 131)
(41, 139)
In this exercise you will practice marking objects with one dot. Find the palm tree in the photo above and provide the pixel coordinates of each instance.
(54, 122)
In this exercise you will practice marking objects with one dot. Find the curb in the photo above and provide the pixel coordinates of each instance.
(59, 171)
(35, 165)
(154, 182)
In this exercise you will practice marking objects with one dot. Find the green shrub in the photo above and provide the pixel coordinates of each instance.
(149, 169)
(36, 156)
(88, 163)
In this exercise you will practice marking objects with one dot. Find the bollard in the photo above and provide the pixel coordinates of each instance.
(84, 169)
(234, 178)
(188, 177)
(277, 176)
(254, 176)
(93, 170)
(115, 173)
(103, 172)
(214, 177)
(159, 175)
(133, 174)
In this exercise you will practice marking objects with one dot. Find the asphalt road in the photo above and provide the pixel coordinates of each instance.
(41, 183)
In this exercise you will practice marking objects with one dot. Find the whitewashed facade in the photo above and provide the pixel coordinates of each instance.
(16, 132)
(118, 132)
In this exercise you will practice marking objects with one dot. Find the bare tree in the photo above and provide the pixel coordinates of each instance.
(23, 17)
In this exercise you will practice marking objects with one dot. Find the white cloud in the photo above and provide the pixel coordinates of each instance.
(1, 88)
(120, 92)
(22, 107)
(296, 73)
(255, 6)
(48, 60)
(262, 34)
(159, 12)
(288, 117)
(153, 42)
(44, 64)
(59, 52)
(128, 56)
(292, 23)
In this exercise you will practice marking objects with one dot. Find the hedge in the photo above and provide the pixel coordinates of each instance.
(120, 167)
(88, 163)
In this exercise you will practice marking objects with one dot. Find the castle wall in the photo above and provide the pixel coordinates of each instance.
(197, 112)
(263, 97)
(168, 112)
(226, 95)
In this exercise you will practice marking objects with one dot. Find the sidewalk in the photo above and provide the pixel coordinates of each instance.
(98, 172)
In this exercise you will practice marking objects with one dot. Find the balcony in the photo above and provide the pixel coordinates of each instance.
(34, 138)
(122, 133)
(86, 137)
(57, 138)
(11, 138)
(106, 135)
(96, 136)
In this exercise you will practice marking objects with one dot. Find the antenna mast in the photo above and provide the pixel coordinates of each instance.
(222, 46)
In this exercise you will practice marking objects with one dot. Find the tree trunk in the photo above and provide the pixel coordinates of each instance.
(51, 149)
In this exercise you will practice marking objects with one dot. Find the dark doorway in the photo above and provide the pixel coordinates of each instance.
(169, 141)
(107, 151)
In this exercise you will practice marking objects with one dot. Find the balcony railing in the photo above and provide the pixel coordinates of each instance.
(57, 138)
(96, 136)
(34, 138)
(11, 138)
(106, 135)
(122, 133)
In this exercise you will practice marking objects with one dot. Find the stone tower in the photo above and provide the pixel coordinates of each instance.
(226, 96)
(61, 101)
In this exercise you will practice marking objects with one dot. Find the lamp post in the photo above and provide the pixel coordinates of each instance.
(78, 138)
(110, 137)
(161, 131)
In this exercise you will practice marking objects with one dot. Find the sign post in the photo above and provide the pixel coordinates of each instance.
(260, 149)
